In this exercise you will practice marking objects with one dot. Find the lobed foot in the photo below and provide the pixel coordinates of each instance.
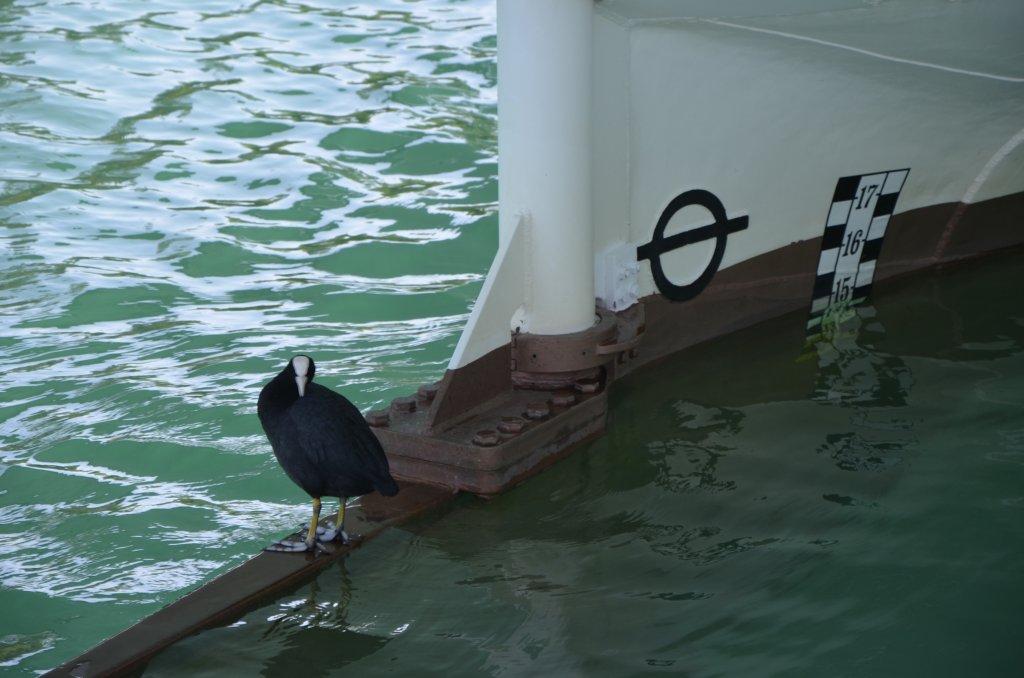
(328, 533)
(332, 534)
(288, 546)
(324, 535)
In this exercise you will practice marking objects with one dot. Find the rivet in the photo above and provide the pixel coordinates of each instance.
(404, 404)
(378, 418)
(511, 425)
(538, 410)
(486, 438)
(588, 385)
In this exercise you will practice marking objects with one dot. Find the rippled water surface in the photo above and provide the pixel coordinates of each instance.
(193, 191)
(189, 193)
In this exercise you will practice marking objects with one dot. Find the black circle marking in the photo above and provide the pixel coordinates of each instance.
(659, 244)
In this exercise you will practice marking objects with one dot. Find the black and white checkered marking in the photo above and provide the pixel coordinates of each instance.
(857, 219)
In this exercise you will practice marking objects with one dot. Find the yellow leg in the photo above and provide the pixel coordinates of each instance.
(311, 537)
(339, 524)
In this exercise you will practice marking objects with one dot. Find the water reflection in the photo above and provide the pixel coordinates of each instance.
(853, 373)
(311, 629)
(850, 370)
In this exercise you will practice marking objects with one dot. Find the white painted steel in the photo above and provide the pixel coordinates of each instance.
(500, 299)
(544, 99)
(607, 114)
(542, 279)
(768, 109)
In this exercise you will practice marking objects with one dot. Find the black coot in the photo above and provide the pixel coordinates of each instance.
(323, 443)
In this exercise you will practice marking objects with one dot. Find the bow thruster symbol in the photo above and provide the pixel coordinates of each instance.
(659, 244)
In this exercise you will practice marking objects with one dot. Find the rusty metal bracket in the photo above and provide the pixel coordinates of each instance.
(616, 347)
(557, 361)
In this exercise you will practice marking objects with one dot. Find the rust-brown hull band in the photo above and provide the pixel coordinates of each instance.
(456, 440)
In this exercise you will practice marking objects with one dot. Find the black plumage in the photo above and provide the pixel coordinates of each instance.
(322, 442)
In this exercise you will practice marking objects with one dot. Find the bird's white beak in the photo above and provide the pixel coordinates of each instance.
(300, 364)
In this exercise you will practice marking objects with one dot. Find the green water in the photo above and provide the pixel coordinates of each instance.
(191, 192)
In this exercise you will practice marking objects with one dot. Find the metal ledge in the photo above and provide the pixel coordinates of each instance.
(240, 590)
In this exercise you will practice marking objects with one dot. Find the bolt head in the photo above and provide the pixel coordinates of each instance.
(563, 398)
(486, 438)
(537, 411)
(427, 392)
(378, 418)
(404, 404)
(512, 425)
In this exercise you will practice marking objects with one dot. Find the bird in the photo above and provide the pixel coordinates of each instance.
(324, 445)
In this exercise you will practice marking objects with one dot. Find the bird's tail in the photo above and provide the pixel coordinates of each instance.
(387, 487)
